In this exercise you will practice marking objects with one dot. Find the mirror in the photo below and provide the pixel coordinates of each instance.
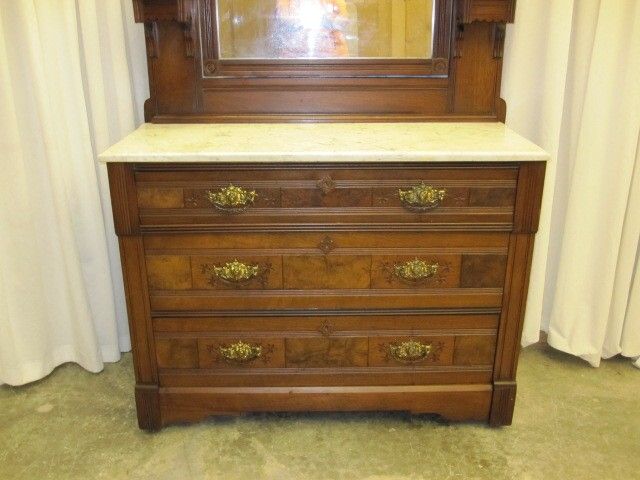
(325, 29)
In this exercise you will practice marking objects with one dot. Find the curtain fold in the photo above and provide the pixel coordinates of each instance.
(65, 94)
(585, 265)
(73, 81)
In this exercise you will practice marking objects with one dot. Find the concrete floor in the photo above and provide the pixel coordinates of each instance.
(571, 422)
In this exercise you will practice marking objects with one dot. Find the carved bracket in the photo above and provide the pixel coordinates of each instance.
(499, 32)
(181, 11)
(457, 50)
(186, 15)
(152, 39)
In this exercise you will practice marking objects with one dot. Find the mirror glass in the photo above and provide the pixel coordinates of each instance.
(332, 29)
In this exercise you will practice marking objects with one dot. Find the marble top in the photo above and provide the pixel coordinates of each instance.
(328, 142)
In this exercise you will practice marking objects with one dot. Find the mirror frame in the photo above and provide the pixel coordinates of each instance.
(215, 67)
(189, 84)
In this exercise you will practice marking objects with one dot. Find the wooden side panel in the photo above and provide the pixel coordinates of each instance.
(123, 198)
(529, 197)
(510, 332)
(526, 218)
(138, 308)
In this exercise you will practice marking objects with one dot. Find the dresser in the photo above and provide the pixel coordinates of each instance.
(325, 266)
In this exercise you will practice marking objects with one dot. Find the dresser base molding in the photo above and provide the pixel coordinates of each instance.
(451, 402)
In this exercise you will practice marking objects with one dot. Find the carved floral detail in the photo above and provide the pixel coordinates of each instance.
(327, 245)
(326, 185)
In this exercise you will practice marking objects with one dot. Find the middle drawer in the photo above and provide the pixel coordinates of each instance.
(325, 270)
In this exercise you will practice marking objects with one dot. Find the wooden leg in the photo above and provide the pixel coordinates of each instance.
(502, 404)
(148, 407)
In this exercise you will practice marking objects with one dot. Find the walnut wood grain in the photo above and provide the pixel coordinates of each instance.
(529, 197)
(482, 196)
(124, 204)
(443, 321)
(482, 271)
(177, 353)
(326, 352)
(453, 402)
(474, 350)
(330, 307)
(147, 398)
(326, 377)
(185, 87)
(168, 228)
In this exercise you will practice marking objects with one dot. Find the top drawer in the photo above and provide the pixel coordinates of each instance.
(201, 195)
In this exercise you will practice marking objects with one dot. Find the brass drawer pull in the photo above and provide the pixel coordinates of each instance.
(236, 272)
(232, 199)
(241, 352)
(416, 270)
(410, 351)
(422, 197)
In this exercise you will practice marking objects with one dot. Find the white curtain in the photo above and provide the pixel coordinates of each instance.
(65, 94)
(73, 80)
(572, 84)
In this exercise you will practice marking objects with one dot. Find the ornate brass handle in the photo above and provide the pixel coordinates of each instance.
(232, 199)
(422, 197)
(236, 272)
(416, 270)
(241, 352)
(411, 351)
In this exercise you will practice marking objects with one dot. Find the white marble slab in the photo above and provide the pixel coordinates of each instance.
(326, 142)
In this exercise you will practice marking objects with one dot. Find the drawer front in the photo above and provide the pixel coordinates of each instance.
(455, 195)
(292, 350)
(325, 270)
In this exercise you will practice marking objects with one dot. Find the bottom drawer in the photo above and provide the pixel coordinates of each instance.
(276, 351)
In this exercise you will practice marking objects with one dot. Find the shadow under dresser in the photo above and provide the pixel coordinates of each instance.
(325, 267)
